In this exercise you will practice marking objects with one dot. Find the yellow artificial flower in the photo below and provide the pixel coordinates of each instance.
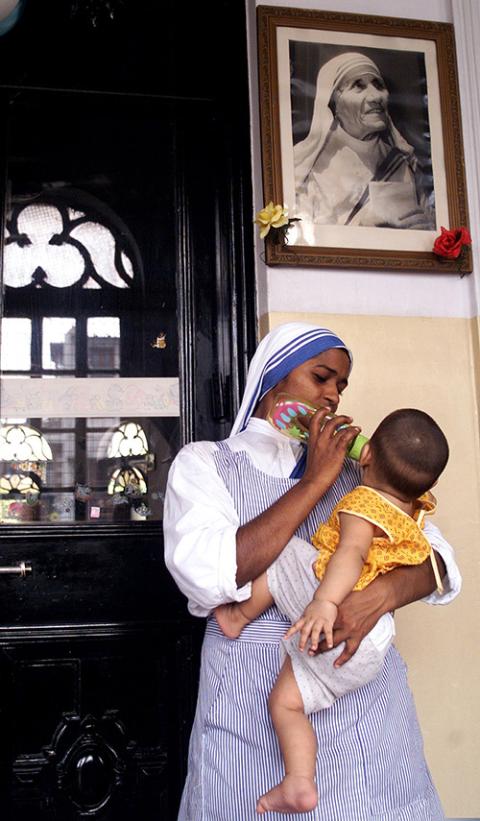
(272, 216)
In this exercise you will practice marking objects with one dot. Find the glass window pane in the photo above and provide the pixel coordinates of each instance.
(106, 422)
(63, 423)
(100, 244)
(103, 341)
(82, 480)
(16, 344)
(61, 263)
(96, 450)
(82, 265)
(57, 507)
(58, 349)
(61, 470)
(39, 260)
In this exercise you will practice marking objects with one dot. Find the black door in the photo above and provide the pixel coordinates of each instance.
(126, 325)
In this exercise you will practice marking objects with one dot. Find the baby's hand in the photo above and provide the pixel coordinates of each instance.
(319, 617)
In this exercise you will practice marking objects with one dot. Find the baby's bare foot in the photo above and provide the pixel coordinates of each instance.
(296, 793)
(230, 620)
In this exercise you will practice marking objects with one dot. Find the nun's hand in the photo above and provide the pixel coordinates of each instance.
(328, 442)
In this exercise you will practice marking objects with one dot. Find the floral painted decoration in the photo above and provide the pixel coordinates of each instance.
(276, 217)
(450, 244)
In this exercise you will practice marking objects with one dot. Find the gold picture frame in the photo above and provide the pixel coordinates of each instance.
(417, 63)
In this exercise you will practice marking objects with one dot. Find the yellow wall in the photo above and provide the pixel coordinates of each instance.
(430, 363)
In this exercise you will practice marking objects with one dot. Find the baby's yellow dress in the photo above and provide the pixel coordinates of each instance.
(403, 544)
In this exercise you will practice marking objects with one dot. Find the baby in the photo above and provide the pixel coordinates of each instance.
(372, 530)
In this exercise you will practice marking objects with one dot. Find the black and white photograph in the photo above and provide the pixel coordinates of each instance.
(361, 137)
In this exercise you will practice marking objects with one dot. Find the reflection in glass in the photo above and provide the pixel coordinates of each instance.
(14, 483)
(57, 507)
(127, 481)
(16, 344)
(107, 422)
(128, 440)
(103, 341)
(23, 443)
(61, 472)
(59, 422)
(104, 473)
(58, 343)
(24, 455)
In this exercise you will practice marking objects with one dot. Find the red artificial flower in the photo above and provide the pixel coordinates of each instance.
(450, 244)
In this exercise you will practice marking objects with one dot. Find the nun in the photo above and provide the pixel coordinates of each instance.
(230, 509)
(354, 167)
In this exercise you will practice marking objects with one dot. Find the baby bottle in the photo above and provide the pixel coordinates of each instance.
(291, 416)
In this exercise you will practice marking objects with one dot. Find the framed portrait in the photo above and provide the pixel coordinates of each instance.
(361, 139)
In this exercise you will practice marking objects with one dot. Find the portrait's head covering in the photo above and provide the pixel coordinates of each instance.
(330, 78)
(282, 350)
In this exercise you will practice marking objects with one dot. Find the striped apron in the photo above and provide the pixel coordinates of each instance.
(370, 763)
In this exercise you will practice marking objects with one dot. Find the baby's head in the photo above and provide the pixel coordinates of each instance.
(407, 452)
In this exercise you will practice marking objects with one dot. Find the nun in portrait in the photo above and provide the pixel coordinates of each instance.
(354, 167)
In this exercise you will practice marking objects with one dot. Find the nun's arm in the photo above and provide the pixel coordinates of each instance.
(260, 541)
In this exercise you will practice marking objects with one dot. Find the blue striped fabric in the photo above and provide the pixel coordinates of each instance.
(370, 764)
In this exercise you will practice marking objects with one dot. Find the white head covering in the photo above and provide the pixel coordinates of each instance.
(329, 79)
(282, 350)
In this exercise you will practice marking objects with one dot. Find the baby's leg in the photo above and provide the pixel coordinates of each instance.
(233, 617)
(297, 792)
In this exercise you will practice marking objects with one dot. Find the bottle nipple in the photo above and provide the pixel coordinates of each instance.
(355, 449)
